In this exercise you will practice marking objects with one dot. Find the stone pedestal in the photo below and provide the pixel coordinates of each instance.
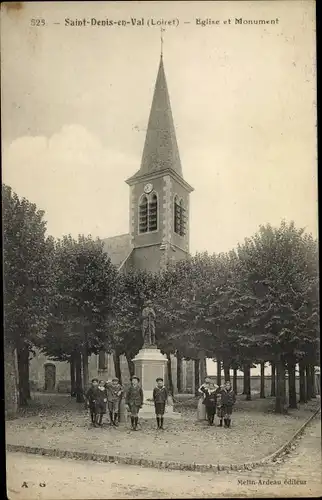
(149, 364)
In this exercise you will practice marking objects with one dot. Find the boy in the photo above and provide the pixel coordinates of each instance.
(134, 401)
(210, 401)
(160, 397)
(228, 399)
(91, 398)
(114, 394)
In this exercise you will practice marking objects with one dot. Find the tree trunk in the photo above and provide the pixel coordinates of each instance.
(11, 381)
(308, 382)
(247, 387)
(218, 372)
(117, 366)
(85, 369)
(23, 373)
(197, 376)
(170, 382)
(235, 381)
(203, 367)
(72, 375)
(130, 363)
(302, 383)
(78, 378)
(179, 372)
(280, 400)
(226, 370)
(291, 385)
(262, 387)
(273, 381)
(313, 392)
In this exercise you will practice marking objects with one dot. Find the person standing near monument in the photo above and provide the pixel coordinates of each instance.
(210, 401)
(228, 399)
(91, 398)
(160, 397)
(114, 395)
(134, 401)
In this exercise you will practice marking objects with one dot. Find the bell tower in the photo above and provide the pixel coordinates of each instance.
(159, 195)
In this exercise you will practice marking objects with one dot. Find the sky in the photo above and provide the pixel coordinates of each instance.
(76, 101)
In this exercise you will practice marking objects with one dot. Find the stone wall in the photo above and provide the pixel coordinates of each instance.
(62, 369)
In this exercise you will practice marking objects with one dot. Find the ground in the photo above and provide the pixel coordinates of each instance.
(58, 422)
(66, 479)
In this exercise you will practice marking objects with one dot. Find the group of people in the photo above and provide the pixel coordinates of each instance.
(102, 395)
(109, 394)
(218, 400)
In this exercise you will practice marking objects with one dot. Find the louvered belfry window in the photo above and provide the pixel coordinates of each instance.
(153, 213)
(179, 217)
(143, 215)
(148, 213)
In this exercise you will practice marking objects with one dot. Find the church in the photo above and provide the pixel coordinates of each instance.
(158, 234)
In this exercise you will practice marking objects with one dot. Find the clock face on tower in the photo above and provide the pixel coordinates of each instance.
(148, 188)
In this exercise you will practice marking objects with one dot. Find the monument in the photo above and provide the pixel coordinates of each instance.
(150, 363)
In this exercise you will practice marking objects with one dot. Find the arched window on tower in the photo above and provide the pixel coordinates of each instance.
(143, 215)
(179, 217)
(153, 213)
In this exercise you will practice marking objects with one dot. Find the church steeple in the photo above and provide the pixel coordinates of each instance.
(159, 196)
(160, 150)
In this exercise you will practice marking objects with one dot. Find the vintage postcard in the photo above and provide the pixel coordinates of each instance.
(159, 212)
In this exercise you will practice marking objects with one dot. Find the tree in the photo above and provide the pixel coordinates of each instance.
(85, 284)
(27, 281)
(278, 276)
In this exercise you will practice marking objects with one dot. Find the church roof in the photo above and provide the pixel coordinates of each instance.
(160, 149)
(118, 248)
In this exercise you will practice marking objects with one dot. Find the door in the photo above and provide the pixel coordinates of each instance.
(50, 377)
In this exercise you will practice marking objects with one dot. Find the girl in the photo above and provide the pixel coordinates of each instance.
(201, 411)
(101, 402)
(210, 401)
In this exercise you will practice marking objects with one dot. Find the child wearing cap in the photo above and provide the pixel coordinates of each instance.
(134, 401)
(160, 396)
(114, 395)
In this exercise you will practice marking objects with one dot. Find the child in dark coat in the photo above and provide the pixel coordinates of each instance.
(160, 397)
(134, 401)
(114, 395)
(101, 402)
(210, 401)
(228, 399)
(91, 398)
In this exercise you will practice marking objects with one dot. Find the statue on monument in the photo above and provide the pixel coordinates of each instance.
(148, 324)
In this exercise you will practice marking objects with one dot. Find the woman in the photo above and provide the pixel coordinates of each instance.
(201, 411)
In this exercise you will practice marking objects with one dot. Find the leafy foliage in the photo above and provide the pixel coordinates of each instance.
(28, 278)
(85, 284)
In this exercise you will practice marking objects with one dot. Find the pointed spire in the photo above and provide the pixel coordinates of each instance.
(160, 148)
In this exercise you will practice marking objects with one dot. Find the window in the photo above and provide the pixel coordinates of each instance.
(153, 213)
(179, 217)
(143, 215)
(148, 213)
